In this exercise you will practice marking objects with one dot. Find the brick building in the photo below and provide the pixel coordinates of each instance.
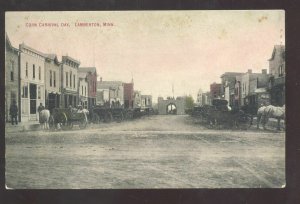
(228, 86)
(128, 94)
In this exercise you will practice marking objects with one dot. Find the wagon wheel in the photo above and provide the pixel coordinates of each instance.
(108, 117)
(51, 122)
(63, 121)
(95, 118)
(120, 117)
(83, 121)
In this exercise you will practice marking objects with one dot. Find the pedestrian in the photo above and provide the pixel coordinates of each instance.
(13, 111)
(40, 108)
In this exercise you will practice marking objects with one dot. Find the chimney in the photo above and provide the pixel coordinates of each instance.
(250, 71)
(264, 71)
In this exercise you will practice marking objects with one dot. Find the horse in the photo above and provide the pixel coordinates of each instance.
(270, 111)
(44, 119)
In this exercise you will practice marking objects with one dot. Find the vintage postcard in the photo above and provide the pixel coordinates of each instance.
(145, 99)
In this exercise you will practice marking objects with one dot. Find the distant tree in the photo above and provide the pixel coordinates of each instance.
(189, 102)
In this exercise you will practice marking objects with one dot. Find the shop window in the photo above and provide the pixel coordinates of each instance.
(39, 92)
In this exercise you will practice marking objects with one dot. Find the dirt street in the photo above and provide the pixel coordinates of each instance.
(152, 152)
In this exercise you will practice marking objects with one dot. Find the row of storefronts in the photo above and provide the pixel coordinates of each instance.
(34, 78)
(248, 88)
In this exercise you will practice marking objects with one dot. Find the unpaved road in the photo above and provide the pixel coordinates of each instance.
(153, 152)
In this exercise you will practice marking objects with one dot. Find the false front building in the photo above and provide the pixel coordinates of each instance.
(69, 81)
(32, 81)
(90, 73)
(52, 82)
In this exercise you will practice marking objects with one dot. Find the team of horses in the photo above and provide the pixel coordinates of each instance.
(270, 111)
(237, 116)
(44, 116)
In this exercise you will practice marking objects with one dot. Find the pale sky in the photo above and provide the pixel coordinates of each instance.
(190, 49)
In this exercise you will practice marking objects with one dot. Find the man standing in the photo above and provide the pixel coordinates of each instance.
(13, 111)
(40, 108)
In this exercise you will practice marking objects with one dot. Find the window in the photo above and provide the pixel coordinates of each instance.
(50, 78)
(12, 71)
(54, 78)
(25, 90)
(33, 71)
(85, 90)
(39, 92)
(74, 81)
(67, 77)
(13, 97)
(280, 70)
(70, 79)
(26, 70)
(40, 73)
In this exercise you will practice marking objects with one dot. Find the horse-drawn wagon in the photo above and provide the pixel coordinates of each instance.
(220, 115)
(67, 117)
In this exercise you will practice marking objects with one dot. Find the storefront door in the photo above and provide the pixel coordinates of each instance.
(33, 106)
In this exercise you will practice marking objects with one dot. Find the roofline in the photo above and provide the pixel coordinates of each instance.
(23, 45)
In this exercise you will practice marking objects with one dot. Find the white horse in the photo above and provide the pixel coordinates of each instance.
(266, 112)
(44, 119)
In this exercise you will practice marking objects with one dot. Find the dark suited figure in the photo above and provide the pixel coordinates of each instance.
(13, 111)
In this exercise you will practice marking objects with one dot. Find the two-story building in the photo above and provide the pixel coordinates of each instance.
(228, 86)
(246, 85)
(128, 95)
(32, 81)
(215, 90)
(69, 81)
(137, 99)
(83, 89)
(146, 101)
(277, 72)
(91, 77)
(11, 77)
(52, 82)
(111, 91)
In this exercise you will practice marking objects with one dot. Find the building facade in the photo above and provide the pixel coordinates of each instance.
(199, 101)
(111, 91)
(83, 89)
(137, 99)
(91, 76)
(215, 90)
(128, 94)
(228, 86)
(146, 101)
(69, 81)
(32, 81)
(277, 79)
(246, 86)
(11, 77)
(52, 82)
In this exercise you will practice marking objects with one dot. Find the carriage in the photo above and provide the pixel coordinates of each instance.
(106, 114)
(219, 115)
(66, 118)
